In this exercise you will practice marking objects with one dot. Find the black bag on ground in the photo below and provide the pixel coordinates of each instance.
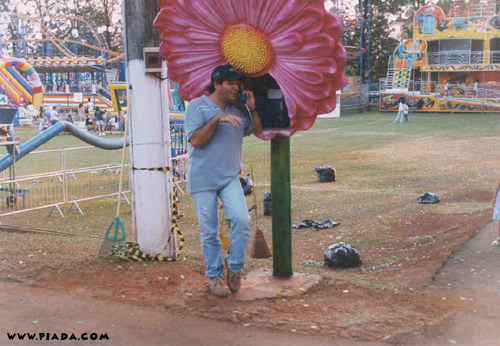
(268, 204)
(428, 198)
(326, 174)
(341, 255)
(246, 185)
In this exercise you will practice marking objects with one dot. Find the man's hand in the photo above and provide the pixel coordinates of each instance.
(250, 99)
(229, 118)
(257, 123)
(203, 134)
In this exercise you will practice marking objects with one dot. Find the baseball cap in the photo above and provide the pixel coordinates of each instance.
(226, 72)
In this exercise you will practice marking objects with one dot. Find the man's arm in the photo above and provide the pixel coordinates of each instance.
(256, 122)
(203, 134)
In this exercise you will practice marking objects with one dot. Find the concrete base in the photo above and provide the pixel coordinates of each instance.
(261, 284)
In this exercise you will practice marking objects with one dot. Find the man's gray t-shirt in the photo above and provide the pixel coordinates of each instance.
(213, 165)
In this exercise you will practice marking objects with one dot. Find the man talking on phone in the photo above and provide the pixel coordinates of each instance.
(215, 127)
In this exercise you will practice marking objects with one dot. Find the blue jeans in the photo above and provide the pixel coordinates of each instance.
(399, 117)
(235, 208)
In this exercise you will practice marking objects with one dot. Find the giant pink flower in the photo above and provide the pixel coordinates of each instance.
(295, 41)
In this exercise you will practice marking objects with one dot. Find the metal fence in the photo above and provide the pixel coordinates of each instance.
(179, 143)
(353, 98)
(52, 178)
(486, 90)
(180, 171)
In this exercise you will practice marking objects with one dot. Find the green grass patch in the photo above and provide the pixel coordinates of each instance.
(381, 167)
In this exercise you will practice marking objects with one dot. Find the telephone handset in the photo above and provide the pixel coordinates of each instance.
(243, 97)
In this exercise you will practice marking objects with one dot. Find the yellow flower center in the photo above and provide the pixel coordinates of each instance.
(247, 49)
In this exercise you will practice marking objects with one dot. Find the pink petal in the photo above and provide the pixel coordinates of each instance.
(326, 65)
(308, 57)
(309, 22)
(197, 36)
(203, 11)
(190, 62)
(288, 43)
(288, 11)
(265, 14)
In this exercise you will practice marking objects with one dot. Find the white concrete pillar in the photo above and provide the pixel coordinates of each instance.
(149, 132)
(150, 148)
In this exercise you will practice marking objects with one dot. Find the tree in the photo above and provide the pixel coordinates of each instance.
(102, 19)
(378, 32)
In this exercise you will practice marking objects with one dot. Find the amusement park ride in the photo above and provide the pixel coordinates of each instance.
(74, 63)
(452, 64)
(70, 58)
(69, 55)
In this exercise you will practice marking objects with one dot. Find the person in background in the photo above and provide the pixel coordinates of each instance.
(90, 106)
(81, 113)
(496, 213)
(53, 116)
(41, 114)
(43, 124)
(406, 109)
(112, 123)
(399, 116)
(99, 120)
(22, 112)
(31, 111)
(121, 127)
(475, 88)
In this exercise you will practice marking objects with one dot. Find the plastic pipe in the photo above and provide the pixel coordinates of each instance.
(54, 130)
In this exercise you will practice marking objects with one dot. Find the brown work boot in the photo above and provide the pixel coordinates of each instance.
(233, 281)
(217, 288)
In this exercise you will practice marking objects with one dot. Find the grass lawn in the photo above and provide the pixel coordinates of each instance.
(381, 170)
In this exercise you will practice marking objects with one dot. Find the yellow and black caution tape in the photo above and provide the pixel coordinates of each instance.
(131, 252)
(157, 169)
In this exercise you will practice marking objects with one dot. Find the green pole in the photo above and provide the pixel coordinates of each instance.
(281, 207)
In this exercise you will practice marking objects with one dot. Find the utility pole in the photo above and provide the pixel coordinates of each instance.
(149, 132)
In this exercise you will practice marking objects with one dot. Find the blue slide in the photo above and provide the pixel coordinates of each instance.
(54, 130)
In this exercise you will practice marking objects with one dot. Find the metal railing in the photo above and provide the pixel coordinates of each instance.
(52, 88)
(353, 98)
(476, 10)
(487, 90)
(180, 171)
(179, 144)
(463, 57)
(52, 178)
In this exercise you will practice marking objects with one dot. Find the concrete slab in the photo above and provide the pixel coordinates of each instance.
(261, 284)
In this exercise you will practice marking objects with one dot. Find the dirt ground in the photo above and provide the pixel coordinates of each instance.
(411, 289)
(335, 309)
(459, 305)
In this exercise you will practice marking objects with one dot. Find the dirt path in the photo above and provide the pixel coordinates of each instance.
(36, 310)
(471, 275)
(470, 279)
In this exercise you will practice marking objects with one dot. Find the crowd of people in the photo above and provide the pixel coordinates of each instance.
(95, 119)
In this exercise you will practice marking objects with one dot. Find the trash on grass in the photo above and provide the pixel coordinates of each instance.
(326, 174)
(428, 198)
(268, 207)
(342, 255)
(316, 225)
(246, 185)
